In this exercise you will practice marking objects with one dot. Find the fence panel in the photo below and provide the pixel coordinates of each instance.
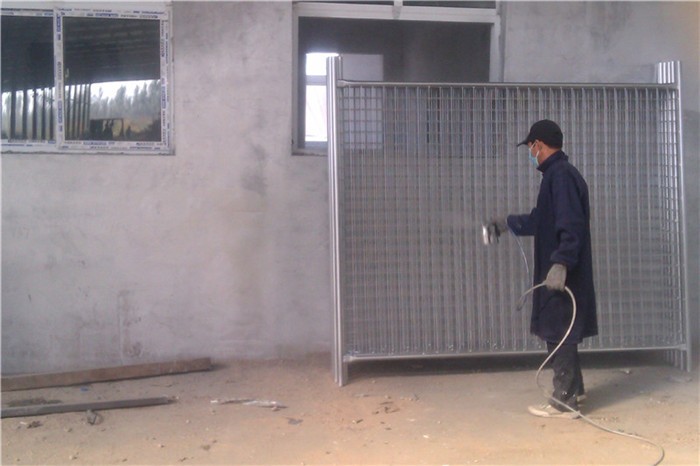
(416, 168)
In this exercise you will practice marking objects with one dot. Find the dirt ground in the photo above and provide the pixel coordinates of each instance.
(466, 411)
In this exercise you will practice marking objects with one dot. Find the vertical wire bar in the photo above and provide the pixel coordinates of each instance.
(379, 163)
(470, 305)
(399, 256)
(412, 218)
(401, 113)
(677, 115)
(339, 371)
(433, 161)
(629, 169)
(448, 247)
(651, 178)
(665, 205)
(685, 294)
(421, 135)
(463, 303)
(635, 114)
(607, 216)
(588, 145)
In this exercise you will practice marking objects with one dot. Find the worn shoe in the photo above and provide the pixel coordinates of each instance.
(551, 411)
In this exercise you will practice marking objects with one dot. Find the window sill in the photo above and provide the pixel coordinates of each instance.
(310, 152)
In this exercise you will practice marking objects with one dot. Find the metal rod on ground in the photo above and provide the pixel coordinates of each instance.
(39, 410)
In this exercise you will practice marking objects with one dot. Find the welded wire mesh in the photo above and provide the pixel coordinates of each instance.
(419, 167)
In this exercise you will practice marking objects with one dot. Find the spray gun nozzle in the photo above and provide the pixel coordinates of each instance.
(489, 233)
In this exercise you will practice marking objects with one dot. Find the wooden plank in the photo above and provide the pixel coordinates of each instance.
(61, 379)
(38, 410)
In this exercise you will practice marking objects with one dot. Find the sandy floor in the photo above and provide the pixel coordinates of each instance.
(436, 412)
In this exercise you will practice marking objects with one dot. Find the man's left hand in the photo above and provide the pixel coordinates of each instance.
(556, 277)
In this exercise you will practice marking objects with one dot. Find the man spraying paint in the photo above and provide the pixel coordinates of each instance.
(560, 223)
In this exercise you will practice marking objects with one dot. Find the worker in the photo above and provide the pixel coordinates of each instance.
(560, 223)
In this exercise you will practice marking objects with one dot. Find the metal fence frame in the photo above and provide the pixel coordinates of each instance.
(415, 167)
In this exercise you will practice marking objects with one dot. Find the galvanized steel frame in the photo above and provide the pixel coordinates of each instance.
(415, 168)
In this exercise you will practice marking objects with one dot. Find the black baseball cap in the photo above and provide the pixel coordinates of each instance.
(546, 131)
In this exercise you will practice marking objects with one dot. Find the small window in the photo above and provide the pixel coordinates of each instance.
(86, 80)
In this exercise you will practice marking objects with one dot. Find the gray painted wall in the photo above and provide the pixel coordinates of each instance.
(223, 249)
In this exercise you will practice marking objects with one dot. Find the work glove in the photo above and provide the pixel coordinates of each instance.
(499, 225)
(556, 278)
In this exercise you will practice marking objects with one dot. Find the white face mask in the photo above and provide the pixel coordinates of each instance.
(533, 158)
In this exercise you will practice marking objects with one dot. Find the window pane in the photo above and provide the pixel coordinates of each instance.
(316, 114)
(112, 82)
(124, 110)
(316, 63)
(27, 77)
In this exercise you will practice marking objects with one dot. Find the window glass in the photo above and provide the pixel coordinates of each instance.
(316, 63)
(111, 79)
(27, 77)
(316, 103)
(126, 110)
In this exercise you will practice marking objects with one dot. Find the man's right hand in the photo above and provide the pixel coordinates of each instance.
(500, 225)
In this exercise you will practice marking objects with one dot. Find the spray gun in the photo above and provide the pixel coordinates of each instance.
(490, 233)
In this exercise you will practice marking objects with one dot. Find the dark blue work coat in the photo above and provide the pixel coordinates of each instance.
(560, 223)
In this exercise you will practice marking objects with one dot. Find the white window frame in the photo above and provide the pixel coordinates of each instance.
(161, 12)
(397, 11)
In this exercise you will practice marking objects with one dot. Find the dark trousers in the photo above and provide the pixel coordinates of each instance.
(568, 380)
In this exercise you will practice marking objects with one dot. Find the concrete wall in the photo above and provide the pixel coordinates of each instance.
(223, 249)
(220, 250)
